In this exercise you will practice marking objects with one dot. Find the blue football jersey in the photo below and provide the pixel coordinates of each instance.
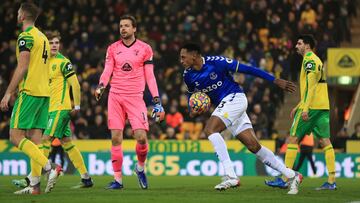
(215, 77)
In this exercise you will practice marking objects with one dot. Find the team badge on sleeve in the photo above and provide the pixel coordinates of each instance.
(69, 67)
(310, 66)
(22, 43)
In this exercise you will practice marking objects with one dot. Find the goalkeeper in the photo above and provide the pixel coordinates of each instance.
(129, 64)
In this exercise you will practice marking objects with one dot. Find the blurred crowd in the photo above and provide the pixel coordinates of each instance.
(259, 32)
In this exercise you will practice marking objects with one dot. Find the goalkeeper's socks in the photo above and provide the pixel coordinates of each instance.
(268, 158)
(117, 160)
(222, 153)
(118, 177)
(141, 153)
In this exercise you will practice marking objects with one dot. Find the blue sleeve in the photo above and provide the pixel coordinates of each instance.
(242, 68)
(235, 66)
(225, 63)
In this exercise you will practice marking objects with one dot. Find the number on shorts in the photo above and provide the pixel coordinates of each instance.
(221, 105)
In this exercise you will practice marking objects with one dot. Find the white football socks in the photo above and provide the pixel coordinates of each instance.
(269, 159)
(221, 150)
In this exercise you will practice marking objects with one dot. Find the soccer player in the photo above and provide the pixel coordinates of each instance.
(62, 77)
(30, 112)
(211, 74)
(311, 115)
(129, 64)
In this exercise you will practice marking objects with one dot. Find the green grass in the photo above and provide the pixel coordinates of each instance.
(183, 189)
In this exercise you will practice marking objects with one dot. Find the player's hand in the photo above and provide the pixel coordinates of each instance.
(158, 112)
(194, 114)
(99, 91)
(4, 105)
(293, 112)
(285, 85)
(305, 115)
(75, 111)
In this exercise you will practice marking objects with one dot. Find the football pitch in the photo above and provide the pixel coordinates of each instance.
(171, 189)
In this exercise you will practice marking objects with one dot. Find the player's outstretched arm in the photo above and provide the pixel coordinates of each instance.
(23, 65)
(285, 85)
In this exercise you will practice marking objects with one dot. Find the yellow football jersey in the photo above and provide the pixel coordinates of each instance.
(60, 69)
(313, 86)
(36, 80)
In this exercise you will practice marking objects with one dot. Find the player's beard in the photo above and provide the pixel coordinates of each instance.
(20, 25)
(125, 36)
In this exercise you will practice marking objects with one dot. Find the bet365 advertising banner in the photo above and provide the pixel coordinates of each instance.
(169, 158)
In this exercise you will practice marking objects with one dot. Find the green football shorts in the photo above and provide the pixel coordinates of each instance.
(318, 124)
(59, 124)
(29, 112)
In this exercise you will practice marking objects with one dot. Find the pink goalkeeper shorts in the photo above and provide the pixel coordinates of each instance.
(131, 107)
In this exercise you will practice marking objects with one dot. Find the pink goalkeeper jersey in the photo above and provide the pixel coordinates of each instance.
(129, 67)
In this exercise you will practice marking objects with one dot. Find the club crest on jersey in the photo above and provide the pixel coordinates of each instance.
(126, 67)
(213, 75)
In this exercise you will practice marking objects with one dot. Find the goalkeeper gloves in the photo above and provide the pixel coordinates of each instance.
(99, 91)
(158, 112)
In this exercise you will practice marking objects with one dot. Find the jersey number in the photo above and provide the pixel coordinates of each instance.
(44, 54)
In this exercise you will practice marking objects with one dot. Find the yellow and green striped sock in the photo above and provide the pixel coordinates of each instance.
(46, 147)
(330, 162)
(290, 156)
(35, 167)
(75, 157)
(32, 151)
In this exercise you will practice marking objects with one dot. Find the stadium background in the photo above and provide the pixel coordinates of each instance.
(261, 33)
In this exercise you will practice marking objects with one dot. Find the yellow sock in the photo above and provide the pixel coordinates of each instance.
(330, 162)
(290, 156)
(32, 151)
(75, 157)
(46, 147)
(35, 167)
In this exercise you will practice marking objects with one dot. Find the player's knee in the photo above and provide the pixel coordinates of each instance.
(46, 138)
(13, 140)
(292, 140)
(208, 131)
(324, 142)
(115, 140)
(140, 136)
(65, 141)
(141, 139)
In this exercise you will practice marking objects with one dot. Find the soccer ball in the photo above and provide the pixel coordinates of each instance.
(199, 102)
